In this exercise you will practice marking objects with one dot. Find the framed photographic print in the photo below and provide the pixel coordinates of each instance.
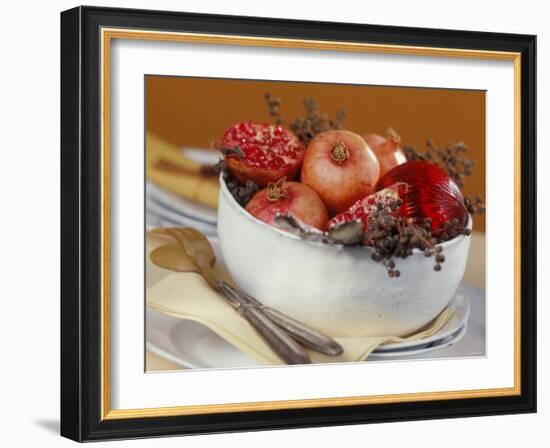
(275, 224)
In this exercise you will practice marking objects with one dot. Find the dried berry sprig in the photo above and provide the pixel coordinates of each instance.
(308, 126)
(315, 122)
(273, 106)
(477, 207)
(451, 158)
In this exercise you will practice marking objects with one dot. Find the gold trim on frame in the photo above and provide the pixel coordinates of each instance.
(107, 34)
(105, 225)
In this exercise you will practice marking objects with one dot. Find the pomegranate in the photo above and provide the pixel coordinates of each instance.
(431, 193)
(341, 168)
(387, 150)
(289, 198)
(363, 209)
(261, 153)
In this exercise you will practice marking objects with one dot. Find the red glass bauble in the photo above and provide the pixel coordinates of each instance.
(430, 193)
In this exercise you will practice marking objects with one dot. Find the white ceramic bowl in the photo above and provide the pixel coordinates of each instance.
(336, 289)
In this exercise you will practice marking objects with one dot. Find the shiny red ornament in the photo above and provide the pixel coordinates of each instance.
(430, 193)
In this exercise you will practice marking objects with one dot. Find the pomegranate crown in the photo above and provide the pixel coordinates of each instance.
(275, 190)
(339, 152)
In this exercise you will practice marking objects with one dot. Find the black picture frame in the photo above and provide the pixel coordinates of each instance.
(81, 227)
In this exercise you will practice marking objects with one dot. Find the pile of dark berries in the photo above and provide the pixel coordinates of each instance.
(241, 193)
(393, 236)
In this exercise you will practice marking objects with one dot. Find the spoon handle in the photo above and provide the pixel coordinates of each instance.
(301, 332)
(279, 340)
(306, 335)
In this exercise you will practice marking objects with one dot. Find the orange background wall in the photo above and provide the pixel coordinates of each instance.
(195, 111)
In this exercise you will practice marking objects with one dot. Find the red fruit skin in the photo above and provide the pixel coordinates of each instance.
(340, 184)
(270, 152)
(430, 193)
(387, 151)
(298, 201)
(363, 209)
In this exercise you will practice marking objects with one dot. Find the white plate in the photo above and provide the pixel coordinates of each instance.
(152, 220)
(425, 348)
(190, 344)
(154, 209)
(461, 306)
(193, 345)
(202, 155)
(180, 205)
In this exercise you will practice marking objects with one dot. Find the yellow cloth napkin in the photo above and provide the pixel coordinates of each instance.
(186, 295)
(171, 171)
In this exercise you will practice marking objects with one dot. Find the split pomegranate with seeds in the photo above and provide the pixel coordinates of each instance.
(363, 210)
(261, 153)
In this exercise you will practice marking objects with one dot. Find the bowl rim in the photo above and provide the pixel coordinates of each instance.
(242, 211)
